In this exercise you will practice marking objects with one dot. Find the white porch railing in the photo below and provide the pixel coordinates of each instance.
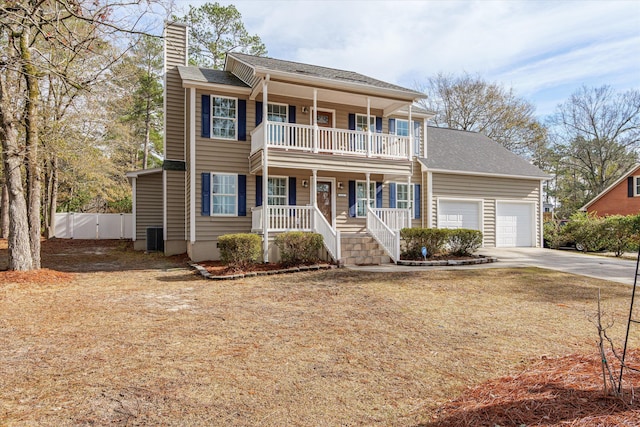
(284, 218)
(298, 218)
(330, 236)
(389, 239)
(304, 138)
(395, 219)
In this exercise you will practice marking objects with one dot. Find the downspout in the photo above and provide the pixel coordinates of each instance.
(192, 165)
(265, 171)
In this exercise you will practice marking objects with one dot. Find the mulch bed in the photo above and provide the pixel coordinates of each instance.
(43, 276)
(554, 391)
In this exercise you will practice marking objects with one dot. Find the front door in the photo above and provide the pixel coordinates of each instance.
(325, 120)
(324, 199)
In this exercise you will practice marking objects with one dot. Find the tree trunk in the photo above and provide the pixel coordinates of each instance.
(53, 197)
(147, 131)
(18, 237)
(34, 189)
(4, 211)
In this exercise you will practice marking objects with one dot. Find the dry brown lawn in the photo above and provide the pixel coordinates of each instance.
(111, 336)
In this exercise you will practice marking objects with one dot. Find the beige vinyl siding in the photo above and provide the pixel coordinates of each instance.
(174, 93)
(488, 189)
(148, 203)
(222, 156)
(176, 219)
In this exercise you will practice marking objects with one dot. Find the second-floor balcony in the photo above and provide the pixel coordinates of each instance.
(323, 140)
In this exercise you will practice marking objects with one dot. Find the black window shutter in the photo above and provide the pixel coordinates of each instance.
(242, 195)
(292, 190)
(206, 194)
(392, 126)
(258, 112)
(630, 187)
(206, 116)
(352, 199)
(242, 120)
(352, 121)
(258, 190)
(378, 124)
(392, 194)
(378, 194)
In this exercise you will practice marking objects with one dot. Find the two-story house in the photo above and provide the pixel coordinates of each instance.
(267, 145)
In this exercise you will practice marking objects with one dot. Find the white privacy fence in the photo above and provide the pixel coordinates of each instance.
(93, 226)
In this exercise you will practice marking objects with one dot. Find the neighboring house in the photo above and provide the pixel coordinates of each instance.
(620, 198)
(268, 145)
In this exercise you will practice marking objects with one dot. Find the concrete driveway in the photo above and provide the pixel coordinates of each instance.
(591, 265)
(600, 267)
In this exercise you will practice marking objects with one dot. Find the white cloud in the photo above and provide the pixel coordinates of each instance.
(532, 46)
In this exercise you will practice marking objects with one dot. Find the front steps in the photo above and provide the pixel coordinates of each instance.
(362, 249)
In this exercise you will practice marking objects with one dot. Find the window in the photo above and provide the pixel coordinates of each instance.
(402, 127)
(277, 112)
(224, 123)
(404, 196)
(361, 123)
(636, 187)
(361, 197)
(225, 194)
(277, 191)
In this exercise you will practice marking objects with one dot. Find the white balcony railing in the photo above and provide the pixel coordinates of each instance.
(389, 239)
(306, 138)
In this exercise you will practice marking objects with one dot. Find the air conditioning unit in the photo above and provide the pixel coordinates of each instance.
(155, 239)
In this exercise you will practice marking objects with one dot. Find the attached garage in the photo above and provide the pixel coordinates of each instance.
(460, 214)
(515, 224)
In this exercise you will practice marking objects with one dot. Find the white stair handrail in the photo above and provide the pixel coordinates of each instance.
(330, 237)
(387, 238)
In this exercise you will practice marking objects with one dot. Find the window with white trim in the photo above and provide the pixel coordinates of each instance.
(417, 133)
(402, 127)
(277, 112)
(277, 187)
(636, 186)
(361, 122)
(404, 196)
(361, 197)
(224, 198)
(224, 117)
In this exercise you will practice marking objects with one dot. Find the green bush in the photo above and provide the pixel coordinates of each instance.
(239, 251)
(586, 230)
(620, 233)
(297, 247)
(554, 236)
(434, 239)
(463, 241)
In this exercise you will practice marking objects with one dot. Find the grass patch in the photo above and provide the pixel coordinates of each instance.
(154, 344)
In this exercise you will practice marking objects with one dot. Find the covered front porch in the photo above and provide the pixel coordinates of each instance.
(332, 203)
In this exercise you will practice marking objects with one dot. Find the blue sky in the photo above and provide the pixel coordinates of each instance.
(544, 50)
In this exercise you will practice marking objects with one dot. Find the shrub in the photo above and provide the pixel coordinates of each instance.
(554, 236)
(586, 230)
(619, 233)
(434, 239)
(239, 251)
(297, 247)
(463, 241)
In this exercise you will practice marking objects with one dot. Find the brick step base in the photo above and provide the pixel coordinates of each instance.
(362, 250)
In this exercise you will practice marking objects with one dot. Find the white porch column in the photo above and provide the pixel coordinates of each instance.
(368, 131)
(316, 130)
(429, 199)
(368, 175)
(412, 199)
(314, 187)
(265, 174)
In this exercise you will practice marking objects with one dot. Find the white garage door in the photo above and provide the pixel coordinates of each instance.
(514, 224)
(459, 214)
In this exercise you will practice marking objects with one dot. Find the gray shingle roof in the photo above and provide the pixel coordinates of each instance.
(317, 71)
(207, 75)
(462, 151)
